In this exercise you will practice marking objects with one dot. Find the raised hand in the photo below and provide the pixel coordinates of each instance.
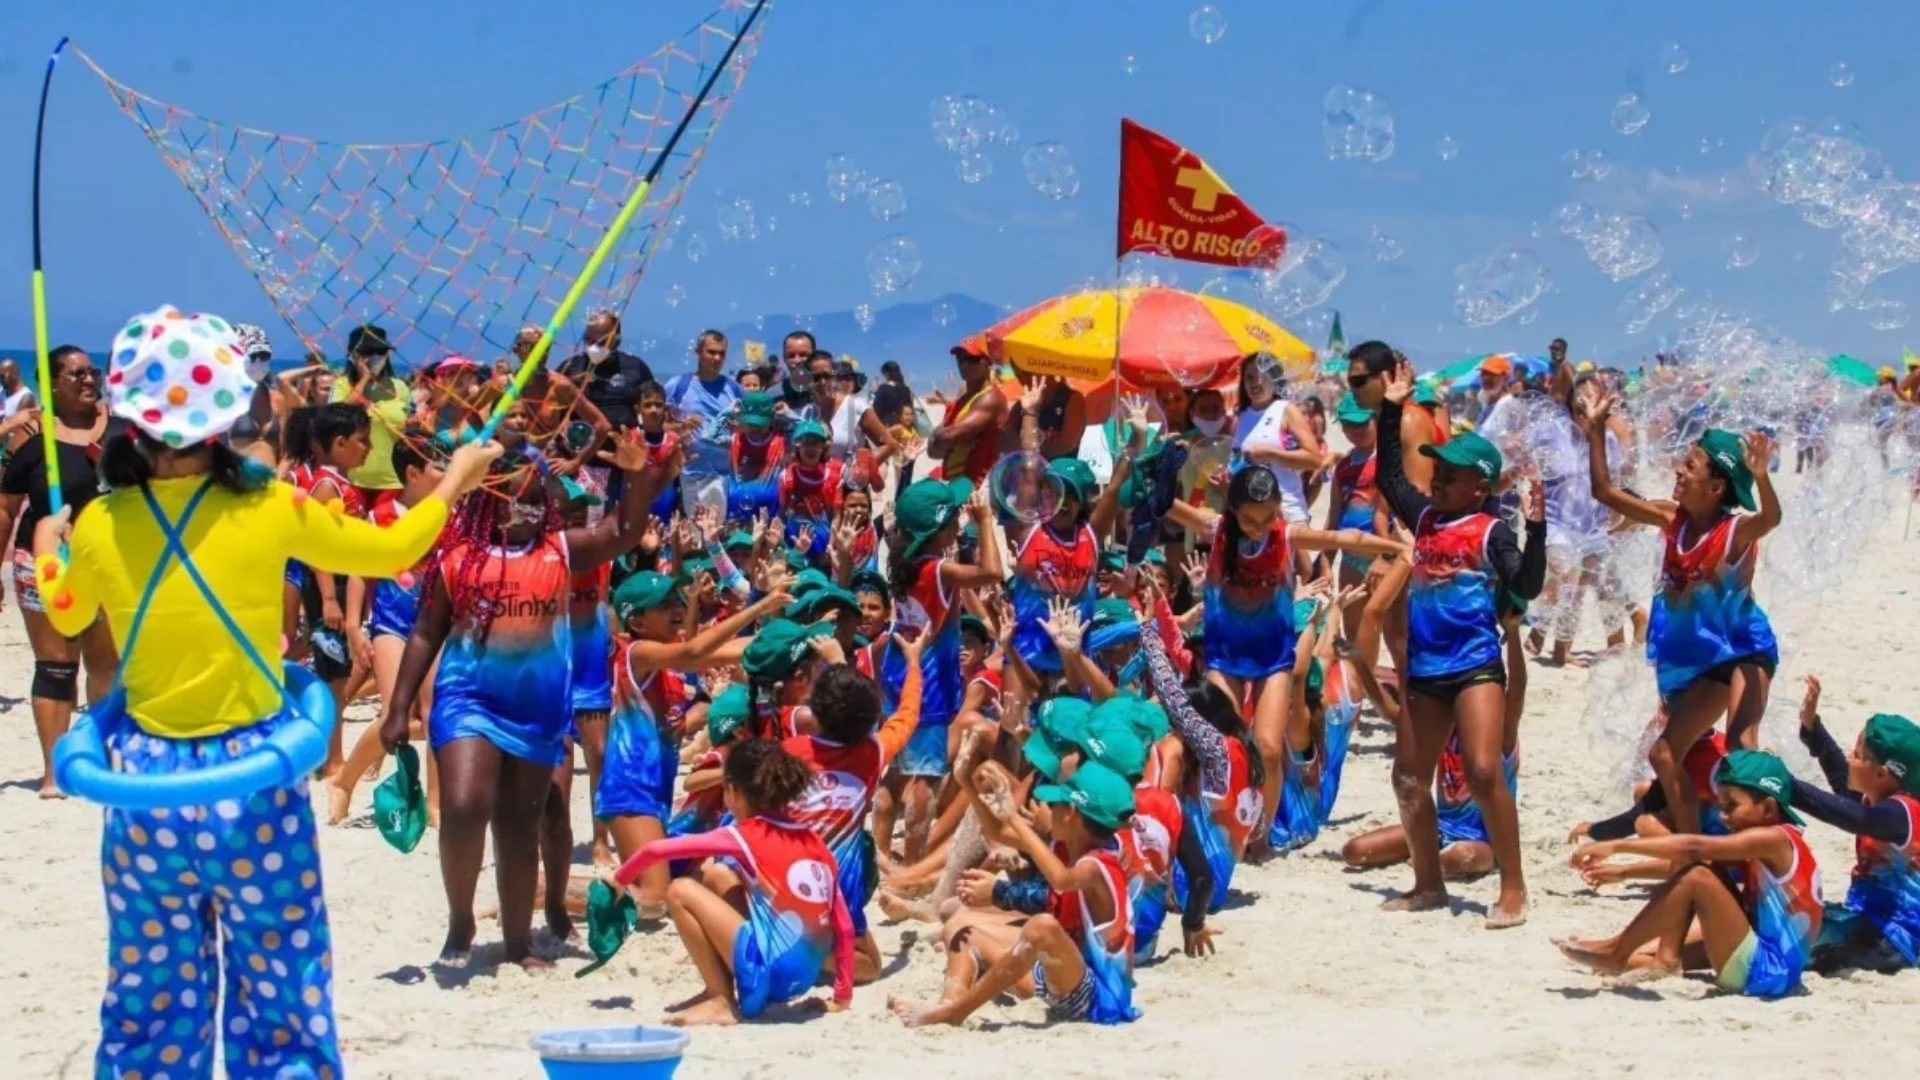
(1064, 626)
(1195, 567)
(828, 648)
(1759, 451)
(1810, 704)
(1400, 384)
(1536, 499)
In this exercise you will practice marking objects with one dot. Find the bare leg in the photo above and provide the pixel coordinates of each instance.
(886, 811)
(1692, 893)
(708, 927)
(1422, 735)
(51, 716)
(1693, 715)
(523, 790)
(1480, 714)
(1746, 703)
(471, 770)
(630, 834)
(1042, 939)
(556, 847)
(593, 745)
(366, 752)
(918, 799)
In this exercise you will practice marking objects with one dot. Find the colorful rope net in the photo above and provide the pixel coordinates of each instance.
(453, 245)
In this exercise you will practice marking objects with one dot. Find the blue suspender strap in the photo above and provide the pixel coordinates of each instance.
(176, 549)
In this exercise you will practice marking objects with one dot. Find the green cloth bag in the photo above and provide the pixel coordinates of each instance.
(610, 919)
(400, 804)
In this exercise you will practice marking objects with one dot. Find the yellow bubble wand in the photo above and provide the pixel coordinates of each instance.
(635, 201)
(45, 372)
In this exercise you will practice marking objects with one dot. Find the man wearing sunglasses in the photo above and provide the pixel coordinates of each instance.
(966, 440)
(1370, 366)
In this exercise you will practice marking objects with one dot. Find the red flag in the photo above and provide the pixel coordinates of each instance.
(1171, 202)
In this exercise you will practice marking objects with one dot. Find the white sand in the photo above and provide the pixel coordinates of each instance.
(1310, 976)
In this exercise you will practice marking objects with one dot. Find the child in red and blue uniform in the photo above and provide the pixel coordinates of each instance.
(1757, 942)
(796, 918)
(1077, 957)
(650, 699)
(590, 625)
(1711, 645)
(848, 757)
(1876, 797)
(810, 490)
(757, 454)
(1465, 560)
(925, 582)
(496, 599)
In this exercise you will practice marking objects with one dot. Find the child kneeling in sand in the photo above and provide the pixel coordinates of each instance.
(1757, 942)
(1078, 957)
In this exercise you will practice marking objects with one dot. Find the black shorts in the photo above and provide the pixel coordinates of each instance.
(1446, 688)
(1723, 673)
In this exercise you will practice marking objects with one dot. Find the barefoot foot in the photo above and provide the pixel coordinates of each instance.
(1435, 900)
(1507, 916)
(1583, 953)
(713, 1012)
(914, 1015)
(339, 802)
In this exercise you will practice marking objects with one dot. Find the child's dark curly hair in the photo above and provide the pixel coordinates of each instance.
(769, 776)
(845, 703)
(474, 528)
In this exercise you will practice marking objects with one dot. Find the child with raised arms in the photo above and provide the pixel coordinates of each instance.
(1464, 560)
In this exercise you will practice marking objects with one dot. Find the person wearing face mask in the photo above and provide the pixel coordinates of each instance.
(369, 382)
(610, 377)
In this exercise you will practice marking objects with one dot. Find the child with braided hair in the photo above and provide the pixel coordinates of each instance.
(496, 596)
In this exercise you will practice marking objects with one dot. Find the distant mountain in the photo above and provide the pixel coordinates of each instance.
(905, 332)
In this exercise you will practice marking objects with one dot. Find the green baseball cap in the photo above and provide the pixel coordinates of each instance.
(778, 650)
(1894, 741)
(1762, 774)
(1350, 411)
(644, 590)
(1155, 557)
(1469, 451)
(739, 538)
(1113, 559)
(728, 713)
(1075, 476)
(820, 602)
(808, 580)
(610, 918)
(811, 429)
(756, 408)
(974, 624)
(872, 581)
(1112, 611)
(928, 506)
(1729, 459)
(578, 494)
(1146, 719)
(1113, 741)
(1101, 795)
(1059, 726)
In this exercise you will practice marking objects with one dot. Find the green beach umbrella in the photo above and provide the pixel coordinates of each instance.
(1850, 369)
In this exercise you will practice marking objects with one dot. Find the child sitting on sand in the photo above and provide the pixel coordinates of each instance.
(774, 950)
(1758, 942)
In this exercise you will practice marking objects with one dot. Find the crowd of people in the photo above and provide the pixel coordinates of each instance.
(811, 679)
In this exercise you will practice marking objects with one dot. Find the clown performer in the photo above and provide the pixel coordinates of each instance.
(193, 538)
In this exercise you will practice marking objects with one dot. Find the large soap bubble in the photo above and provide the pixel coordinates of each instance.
(1840, 74)
(1673, 57)
(1384, 247)
(892, 262)
(1023, 489)
(1307, 275)
(737, 221)
(1740, 251)
(1624, 245)
(1357, 124)
(973, 166)
(843, 175)
(1498, 285)
(1630, 114)
(1206, 24)
(1647, 299)
(886, 199)
(944, 313)
(1049, 170)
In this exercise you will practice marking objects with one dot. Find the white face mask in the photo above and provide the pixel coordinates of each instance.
(597, 353)
(1210, 427)
(257, 369)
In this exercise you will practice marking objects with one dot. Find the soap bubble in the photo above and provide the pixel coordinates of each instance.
(1146, 266)
(1526, 317)
(1306, 276)
(1587, 164)
(695, 248)
(1049, 170)
(674, 295)
(1630, 114)
(863, 315)
(843, 173)
(1001, 127)
(1888, 315)
(1624, 245)
(1448, 148)
(944, 313)
(801, 198)
(1575, 219)
(973, 166)
(1647, 299)
(892, 263)
(886, 199)
(1498, 285)
(736, 221)
(1356, 124)
(1206, 457)
(1740, 251)
(1021, 487)
(1129, 64)
(1206, 24)
(1384, 247)
(1673, 57)
(1840, 74)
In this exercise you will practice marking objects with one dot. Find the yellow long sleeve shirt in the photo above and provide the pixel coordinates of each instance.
(187, 676)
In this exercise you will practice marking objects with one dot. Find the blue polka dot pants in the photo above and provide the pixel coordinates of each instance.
(230, 892)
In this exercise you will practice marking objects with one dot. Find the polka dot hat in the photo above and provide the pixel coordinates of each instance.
(180, 378)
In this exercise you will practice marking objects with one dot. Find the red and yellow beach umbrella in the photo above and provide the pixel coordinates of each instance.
(1157, 337)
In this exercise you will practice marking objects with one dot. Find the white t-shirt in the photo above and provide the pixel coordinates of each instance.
(14, 401)
(843, 429)
(1266, 431)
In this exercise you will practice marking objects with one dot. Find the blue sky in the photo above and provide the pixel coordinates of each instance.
(1515, 84)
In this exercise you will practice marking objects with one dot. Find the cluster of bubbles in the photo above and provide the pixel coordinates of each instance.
(1049, 170)
(1630, 114)
(1620, 245)
(737, 221)
(1356, 124)
(1587, 164)
(863, 316)
(1725, 371)
(1649, 297)
(892, 263)
(1499, 285)
(968, 127)
(1836, 181)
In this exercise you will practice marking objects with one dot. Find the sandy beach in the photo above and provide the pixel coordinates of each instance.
(1310, 976)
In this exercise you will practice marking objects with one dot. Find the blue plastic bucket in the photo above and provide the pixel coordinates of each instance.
(627, 1052)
